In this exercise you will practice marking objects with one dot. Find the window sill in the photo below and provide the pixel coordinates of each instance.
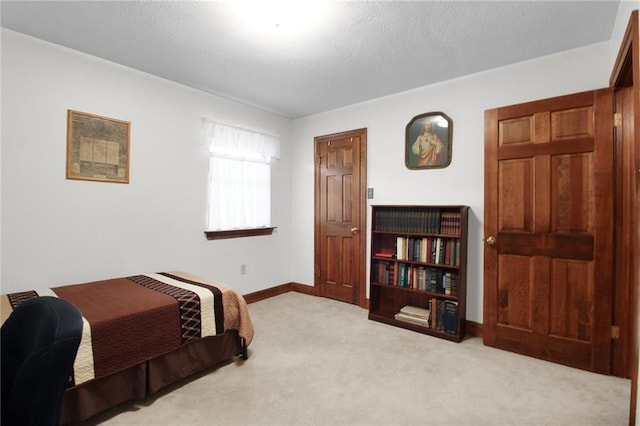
(238, 233)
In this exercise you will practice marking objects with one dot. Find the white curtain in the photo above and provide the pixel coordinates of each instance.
(239, 177)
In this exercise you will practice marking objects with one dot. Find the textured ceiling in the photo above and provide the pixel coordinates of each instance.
(358, 51)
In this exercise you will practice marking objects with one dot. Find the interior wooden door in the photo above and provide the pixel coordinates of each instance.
(549, 229)
(340, 228)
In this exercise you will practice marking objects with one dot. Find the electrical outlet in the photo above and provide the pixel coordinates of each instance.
(370, 193)
(243, 269)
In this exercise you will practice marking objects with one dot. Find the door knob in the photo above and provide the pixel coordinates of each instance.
(491, 240)
(354, 230)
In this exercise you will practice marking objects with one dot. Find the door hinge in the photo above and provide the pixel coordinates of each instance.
(617, 119)
(615, 332)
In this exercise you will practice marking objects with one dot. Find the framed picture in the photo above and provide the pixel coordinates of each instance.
(97, 148)
(428, 141)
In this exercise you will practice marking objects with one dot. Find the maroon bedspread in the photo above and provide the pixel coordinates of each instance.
(133, 319)
(129, 323)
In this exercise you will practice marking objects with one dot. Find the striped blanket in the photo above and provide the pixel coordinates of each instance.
(133, 319)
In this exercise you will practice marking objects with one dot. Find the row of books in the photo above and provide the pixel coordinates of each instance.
(419, 220)
(444, 315)
(383, 272)
(415, 277)
(437, 250)
(440, 315)
(450, 222)
(429, 279)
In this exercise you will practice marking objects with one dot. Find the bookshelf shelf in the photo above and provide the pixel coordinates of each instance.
(418, 268)
(420, 292)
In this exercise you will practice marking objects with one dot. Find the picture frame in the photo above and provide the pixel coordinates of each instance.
(97, 148)
(428, 140)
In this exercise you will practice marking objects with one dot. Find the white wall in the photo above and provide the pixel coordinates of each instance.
(622, 20)
(464, 100)
(57, 231)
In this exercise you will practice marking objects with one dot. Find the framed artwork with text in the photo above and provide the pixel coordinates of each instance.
(97, 148)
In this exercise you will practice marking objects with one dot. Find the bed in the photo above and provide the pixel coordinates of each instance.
(144, 332)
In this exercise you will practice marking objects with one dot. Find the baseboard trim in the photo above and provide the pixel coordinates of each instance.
(473, 329)
(278, 290)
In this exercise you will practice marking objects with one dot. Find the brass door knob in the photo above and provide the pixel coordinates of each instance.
(354, 230)
(491, 240)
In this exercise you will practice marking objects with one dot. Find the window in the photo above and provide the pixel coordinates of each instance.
(239, 180)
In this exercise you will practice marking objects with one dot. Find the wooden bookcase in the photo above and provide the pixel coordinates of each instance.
(419, 266)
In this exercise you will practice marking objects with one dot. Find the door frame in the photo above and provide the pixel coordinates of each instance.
(626, 74)
(362, 209)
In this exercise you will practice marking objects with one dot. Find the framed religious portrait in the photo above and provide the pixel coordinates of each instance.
(428, 139)
(97, 148)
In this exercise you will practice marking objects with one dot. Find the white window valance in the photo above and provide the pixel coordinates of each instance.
(236, 143)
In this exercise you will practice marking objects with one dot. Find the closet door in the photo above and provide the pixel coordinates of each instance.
(340, 216)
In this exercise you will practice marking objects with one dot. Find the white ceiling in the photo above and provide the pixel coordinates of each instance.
(358, 51)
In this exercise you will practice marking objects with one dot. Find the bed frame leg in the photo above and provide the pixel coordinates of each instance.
(243, 343)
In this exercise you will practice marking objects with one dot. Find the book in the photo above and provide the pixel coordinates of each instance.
(403, 275)
(411, 319)
(447, 282)
(434, 310)
(384, 254)
(450, 317)
(454, 284)
(437, 313)
(440, 306)
(383, 272)
(415, 311)
(400, 248)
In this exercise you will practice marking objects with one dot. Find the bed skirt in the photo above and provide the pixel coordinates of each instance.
(135, 383)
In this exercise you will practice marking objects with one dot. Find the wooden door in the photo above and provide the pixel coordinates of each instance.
(340, 216)
(549, 229)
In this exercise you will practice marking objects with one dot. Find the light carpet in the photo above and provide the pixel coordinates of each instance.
(316, 361)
